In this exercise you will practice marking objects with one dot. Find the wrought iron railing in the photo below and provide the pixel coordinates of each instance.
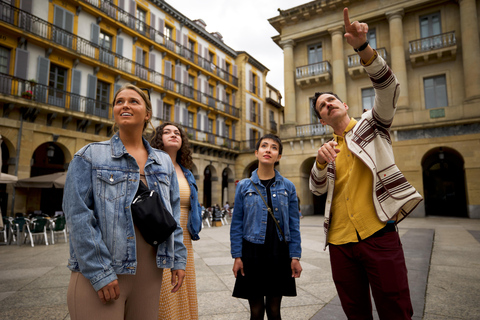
(204, 136)
(313, 69)
(354, 59)
(313, 129)
(32, 91)
(81, 46)
(273, 126)
(157, 36)
(443, 40)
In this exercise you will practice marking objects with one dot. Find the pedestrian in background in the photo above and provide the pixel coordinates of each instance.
(171, 138)
(266, 249)
(116, 274)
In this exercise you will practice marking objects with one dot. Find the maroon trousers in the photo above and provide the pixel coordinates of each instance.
(378, 263)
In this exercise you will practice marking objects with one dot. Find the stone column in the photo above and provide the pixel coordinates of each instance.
(338, 63)
(470, 48)
(398, 63)
(289, 78)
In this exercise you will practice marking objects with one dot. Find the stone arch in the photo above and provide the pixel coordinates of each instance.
(444, 183)
(210, 181)
(228, 185)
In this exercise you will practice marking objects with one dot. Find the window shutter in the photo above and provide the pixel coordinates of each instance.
(205, 123)
(199, 84)
(260, 113)
(185, 77)
(178, 73)
(233, 99)
(185, 117)
(177, 114)
(206, 54)
(224, 130)
(185, 41)
(161, 25)
(26, 5)
(21, 64)
(152, 25)
(120, 46)
(235, 71)
(139, 55)
(249, 109)
(168, 69)
(160, 109)
(259, 86)
(233, 131)
(121, 4)
(116, 87)
(152, 61)
(206, 88)
(76, 81)
(91, 86)
(218, 128)
(95, 33)
(252, 136)
(250, 81)
(218, 93)
(69, 21)
(199, 49)
(199, 121)
(43, 70)
(132, 8)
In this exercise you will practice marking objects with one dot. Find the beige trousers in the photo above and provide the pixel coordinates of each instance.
(139, 293)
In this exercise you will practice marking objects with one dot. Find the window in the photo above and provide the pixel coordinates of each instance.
(254, 83)
(372, 38)
(430, 26)
(227, 97)
(141, 18)
(191, 50)
(4, 60)
(435, 92)
(227, 67)
(315, 54)
(226, 134)
(57, 85)
(166, 111)
(190, 119)
(168, 32)
(272, 116)
(253, 107)
(210, 126)
(105, 42)
(63, 21)
(103, 95)
(368, 98)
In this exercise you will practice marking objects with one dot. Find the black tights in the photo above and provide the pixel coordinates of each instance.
(259, 305)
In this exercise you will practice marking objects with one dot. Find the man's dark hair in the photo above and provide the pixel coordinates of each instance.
(274, 138)
(315, 98)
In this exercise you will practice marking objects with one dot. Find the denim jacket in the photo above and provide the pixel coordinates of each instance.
(194, 224)
(249, 219)
(101, 183)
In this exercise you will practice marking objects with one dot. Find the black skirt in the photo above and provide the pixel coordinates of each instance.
(267, 268)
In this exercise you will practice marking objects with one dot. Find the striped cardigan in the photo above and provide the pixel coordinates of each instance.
(369, 140)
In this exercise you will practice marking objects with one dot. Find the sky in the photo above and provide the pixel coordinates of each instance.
(244, 26)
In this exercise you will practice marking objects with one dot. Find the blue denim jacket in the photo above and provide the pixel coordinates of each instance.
(101, 183)
(249, 219)
(194, 224)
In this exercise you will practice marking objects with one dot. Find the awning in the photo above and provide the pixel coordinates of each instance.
(7, 178)
(56, 180)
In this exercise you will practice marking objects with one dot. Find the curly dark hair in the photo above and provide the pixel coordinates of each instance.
(184, 155)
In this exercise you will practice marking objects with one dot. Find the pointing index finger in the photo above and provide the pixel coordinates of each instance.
(346, 19)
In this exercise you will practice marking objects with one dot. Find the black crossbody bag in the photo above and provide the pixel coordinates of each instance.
(271, 213)
(155, 223)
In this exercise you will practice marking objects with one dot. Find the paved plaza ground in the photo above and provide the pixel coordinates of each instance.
(443, 259)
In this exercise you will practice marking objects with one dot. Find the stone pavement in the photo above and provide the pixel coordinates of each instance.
(443, 260)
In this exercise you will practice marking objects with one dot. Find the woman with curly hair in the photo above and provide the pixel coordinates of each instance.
(171, 138)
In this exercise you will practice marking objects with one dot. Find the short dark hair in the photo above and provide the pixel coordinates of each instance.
(274, 138)
(315, 98)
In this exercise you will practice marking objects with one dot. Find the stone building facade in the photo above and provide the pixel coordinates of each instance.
(434, 49)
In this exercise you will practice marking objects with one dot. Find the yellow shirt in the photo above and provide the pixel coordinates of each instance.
(352, 206)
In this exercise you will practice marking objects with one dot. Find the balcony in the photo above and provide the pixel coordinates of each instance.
(442, 47)
(141, 27)
(313, 129)
(273, 126)
(355, 68)
(313, 74)
(105, 57)
(33, 92)
(211, 138)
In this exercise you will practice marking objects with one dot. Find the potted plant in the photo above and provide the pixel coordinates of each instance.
(27, 94)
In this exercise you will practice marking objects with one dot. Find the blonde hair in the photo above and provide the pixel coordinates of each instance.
(148, 104)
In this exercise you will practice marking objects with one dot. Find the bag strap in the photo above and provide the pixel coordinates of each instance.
(270, 212)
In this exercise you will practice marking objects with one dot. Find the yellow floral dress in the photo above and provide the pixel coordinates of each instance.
(182, 304)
